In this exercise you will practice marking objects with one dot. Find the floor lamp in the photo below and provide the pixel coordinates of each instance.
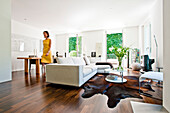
(157, 58)
(156, 51)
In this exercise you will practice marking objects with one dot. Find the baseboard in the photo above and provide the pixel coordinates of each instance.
(9, 80)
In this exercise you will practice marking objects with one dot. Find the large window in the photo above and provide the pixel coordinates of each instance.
(113, 40)
(75, 46)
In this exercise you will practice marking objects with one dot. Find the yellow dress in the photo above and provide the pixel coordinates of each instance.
(46, 59)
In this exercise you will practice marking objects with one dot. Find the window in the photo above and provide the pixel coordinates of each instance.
(72, 46)
(75, 46)
(79, 51)
(113, 40)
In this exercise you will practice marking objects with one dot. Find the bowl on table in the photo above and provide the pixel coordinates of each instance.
(112, 77)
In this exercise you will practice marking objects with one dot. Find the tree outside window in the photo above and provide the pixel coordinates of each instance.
(113, 40)
(75, 46)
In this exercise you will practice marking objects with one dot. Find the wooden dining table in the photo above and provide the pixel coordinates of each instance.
(37, 59)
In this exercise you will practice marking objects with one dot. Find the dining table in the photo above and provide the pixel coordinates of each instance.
(37, 59)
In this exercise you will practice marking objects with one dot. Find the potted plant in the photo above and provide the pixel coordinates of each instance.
(120, 53)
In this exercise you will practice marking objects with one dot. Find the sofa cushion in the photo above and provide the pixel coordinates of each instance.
(93, 67)
(78, 60)
(66, 60)
(87, 71)
(103, 67)
(86, 59)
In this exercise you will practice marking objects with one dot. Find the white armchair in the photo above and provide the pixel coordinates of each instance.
(150, 75)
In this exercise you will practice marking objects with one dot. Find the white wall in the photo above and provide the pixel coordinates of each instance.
(141, 39)
(116, 30)
(89, 38)
(156, 18)
(5, 43)
(62, 44)
(166, 48)
(131, 37)
(31, 37)
(26, 30)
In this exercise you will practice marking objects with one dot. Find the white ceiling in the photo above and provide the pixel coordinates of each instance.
(64, 16)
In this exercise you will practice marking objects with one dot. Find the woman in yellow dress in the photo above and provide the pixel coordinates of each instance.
(47, 56)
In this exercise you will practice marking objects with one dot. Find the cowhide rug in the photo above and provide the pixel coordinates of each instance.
(115, 92)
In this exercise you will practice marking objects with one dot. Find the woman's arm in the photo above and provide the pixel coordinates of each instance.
(49, 48)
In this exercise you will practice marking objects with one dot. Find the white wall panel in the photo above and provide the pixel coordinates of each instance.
(5, 40)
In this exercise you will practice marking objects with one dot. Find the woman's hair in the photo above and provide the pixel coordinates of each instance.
(47, 33)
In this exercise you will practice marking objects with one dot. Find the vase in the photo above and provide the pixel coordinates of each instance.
(120, 68)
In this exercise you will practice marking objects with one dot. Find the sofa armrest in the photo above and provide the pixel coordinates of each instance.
(105, 63)
(67, 74)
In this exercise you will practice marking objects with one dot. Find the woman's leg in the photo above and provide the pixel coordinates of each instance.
(43, 69)
(44, 66)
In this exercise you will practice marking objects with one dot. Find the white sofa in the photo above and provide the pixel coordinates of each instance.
(71, 71)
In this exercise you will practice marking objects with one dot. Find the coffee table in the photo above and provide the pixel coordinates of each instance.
(119, 79)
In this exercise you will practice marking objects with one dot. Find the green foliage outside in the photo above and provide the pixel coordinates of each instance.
(113, 40)
(79, 45)
(73, 46)
(73, 53)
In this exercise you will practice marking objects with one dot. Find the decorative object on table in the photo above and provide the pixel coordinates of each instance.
(57, 54)
(65, 54)
(115, 79)
(115, 72)
(112, 77)
(114, 92)
(93, 54)
(136, 67)
(120, 53)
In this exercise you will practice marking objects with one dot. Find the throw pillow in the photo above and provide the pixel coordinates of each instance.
(67, 60)
(86, 59)
(78, 60)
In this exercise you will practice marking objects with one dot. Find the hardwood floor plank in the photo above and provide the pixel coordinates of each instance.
(30, 93)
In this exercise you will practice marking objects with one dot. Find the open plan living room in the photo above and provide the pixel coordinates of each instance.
(84, 56)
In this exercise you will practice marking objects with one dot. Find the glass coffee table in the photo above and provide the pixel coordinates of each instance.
(115, 78)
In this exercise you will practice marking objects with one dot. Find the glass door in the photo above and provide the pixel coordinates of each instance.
(113, 40)
(75, 46)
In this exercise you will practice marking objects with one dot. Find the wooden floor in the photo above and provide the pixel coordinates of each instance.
(31, 94)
